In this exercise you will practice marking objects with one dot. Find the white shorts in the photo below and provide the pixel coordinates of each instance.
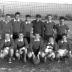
(62, 52)
(30, 54)
(6, 50)
(48, 50)
(43, 54)
(23, 49)
(52, 54)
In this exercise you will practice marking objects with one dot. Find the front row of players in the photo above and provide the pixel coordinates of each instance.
(37, 49)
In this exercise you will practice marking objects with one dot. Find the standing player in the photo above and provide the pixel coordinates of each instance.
(28, 28)
(61, 28)
(16, 24)
(49, 28)
(38, 26)
(6, 25)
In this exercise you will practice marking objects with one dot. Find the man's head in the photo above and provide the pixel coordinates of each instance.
(38, 17)
(37, 36)
(17, 15)
(62, 20)
(8, 17)
(21, 35)
(28, 17)
(64, 37)
(51, 39)
(7, 36)
(49, 17)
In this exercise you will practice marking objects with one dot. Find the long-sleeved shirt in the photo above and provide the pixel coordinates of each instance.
(38, 27)
(6, 26)
(54, 46)
(36, 44)
(9, 44)
(20, 44)
(17, 25)
(49, 28)
(61, 29)
(64, 45)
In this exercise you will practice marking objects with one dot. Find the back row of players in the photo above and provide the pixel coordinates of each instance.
(34, 40)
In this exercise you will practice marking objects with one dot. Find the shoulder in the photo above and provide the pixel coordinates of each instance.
(2, 21)
(59, 42)
(33, 21)
(53, 23)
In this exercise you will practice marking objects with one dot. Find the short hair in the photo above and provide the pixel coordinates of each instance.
(64, 35)
(51, 36)
(49, 15)
(28, 16)
(38, 16)
(62, 18)
(17, 13)
(8, 15)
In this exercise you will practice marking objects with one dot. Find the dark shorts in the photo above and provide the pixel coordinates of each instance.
(15, 36)
(36, 51)
(46, 37)
(59, 37)
(27, 36)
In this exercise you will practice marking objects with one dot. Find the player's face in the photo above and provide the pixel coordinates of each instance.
(20, 36)
(51, 40)
(17, 16)
(64, 37)
(37, 36)
(28, 19)
(8, 18)
(62, 21)
(38, 19)
(7, 36)
(49, 18)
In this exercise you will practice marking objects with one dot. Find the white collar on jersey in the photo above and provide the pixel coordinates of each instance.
(61, 25)
(49, 21)
(21, 40)
(63, 41)
(16, 20)
(28, 22)
(51, 43)
(7, 40)
(36, 39)
(6, 21)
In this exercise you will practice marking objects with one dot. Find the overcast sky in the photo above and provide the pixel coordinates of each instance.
(28, 7)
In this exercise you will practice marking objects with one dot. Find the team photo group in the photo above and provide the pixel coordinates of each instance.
(34, 40)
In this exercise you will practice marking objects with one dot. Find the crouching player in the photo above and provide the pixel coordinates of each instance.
(64, 50)
(49, 49)
(21, 46)
(7, 47)
(35, 45)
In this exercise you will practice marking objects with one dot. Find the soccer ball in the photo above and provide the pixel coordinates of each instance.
(36, 60)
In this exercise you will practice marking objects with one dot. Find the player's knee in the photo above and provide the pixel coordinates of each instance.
(43, 54)
(30, 55)
(17, 54)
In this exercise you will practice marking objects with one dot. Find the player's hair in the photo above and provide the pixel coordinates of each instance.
(62, 17)
(17, 13)
(8, 15)
(51, 37)
(38, 16)
(49, 15)
(64, 35)
(28, 16)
